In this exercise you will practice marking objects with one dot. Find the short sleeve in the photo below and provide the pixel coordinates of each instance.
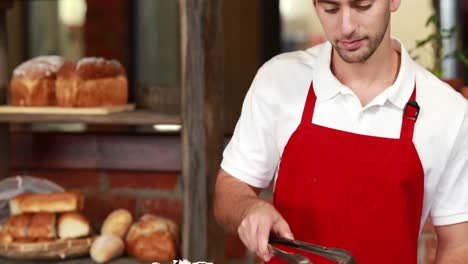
(252, 155)
(450, 204)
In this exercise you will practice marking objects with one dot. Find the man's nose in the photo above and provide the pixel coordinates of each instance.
(348, 23)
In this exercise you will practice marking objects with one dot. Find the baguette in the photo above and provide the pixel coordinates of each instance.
(53, 203)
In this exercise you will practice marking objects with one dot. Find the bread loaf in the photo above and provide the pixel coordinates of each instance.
(73, 225)
(153, 238)
(5, 238)
(117, 223)
(149, 223)
(157, 246)
(92, 82)
(42, 225)
(33, 82)
(17, 225)
(106, 247)
(53, 203)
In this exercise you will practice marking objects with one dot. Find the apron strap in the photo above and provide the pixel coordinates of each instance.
(410, 115)
(309, 106)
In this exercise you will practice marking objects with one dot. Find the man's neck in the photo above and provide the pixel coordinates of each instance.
(372, 77)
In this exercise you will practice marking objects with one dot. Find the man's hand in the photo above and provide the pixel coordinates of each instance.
(238, 207)
(260, 219)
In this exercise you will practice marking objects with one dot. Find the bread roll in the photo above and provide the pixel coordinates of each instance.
(17, 225)
(42, 225)
(106, 247)
(117, 223)
(153, 238)
(92, 82)
(158, 246)
(73, 225)
(53, 203)
(33, 82)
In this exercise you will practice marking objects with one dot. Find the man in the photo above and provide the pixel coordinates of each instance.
(365, 142)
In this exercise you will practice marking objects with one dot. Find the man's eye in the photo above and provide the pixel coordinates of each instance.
(331, 10)
(363, 7)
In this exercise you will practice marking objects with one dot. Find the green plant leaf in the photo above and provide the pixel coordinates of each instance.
(433, 19)
(461, 57)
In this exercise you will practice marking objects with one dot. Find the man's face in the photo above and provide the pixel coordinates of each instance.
(355, 27)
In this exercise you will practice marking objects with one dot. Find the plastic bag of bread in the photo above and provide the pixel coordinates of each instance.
(12, 186)
(152, 239)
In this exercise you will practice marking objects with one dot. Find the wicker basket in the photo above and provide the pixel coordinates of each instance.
(58, 249)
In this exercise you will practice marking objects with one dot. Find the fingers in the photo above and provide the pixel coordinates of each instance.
(263, 233)
(254, 232)
(282, 229)
(255, 228)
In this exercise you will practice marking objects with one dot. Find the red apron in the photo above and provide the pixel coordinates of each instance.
(360, 193)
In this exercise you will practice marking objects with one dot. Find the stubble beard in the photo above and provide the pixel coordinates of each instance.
(366, 52)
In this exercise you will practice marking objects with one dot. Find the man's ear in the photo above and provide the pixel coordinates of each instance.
(314, 2)
(394, 5)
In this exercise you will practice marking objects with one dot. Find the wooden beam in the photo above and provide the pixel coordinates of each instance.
(194, 226)
(6, 4)
(4, 128)
(214, 122)
(106, 151)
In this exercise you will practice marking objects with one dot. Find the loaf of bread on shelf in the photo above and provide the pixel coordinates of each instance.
(157, 246)
(153, 238)
(17, 225)
(73, 225)
(117, 223)
(42, 226)
(33, 82)
(92, 82)
(150, 223)
(106, 247)
(53, 202)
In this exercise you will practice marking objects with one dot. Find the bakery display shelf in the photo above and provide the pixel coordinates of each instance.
(122, 260)
(134, 117)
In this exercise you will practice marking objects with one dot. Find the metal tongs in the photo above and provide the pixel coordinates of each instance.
(339, 255)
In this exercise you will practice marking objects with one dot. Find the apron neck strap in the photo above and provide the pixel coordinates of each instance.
(410, 115)
(309, 106)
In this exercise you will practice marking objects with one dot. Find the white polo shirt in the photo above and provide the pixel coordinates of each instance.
(273, 107)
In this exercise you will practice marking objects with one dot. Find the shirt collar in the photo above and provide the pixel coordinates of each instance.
(326, 85)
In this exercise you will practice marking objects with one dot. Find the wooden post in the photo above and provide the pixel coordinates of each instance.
(214, 125)
(194, 180)
(4, 127)
(202, 126)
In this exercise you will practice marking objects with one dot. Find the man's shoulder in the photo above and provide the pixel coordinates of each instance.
(443, 109)
(296, 59)
(435, 91)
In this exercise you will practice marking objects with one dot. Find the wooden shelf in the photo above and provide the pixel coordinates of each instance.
(136, 117)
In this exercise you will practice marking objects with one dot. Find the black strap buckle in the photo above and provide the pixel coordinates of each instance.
(415, 105)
